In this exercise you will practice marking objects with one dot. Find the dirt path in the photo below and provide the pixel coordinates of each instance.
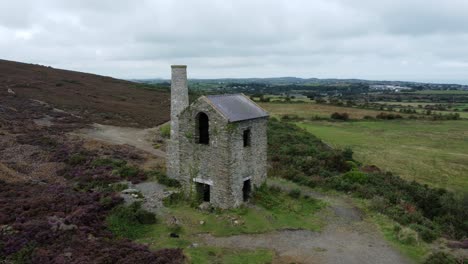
(137, 137)
(347, 238)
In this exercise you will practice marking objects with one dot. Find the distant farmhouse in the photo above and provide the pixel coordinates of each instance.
(218, 145)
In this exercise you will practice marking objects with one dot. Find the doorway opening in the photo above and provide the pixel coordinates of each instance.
(203, 192)
(246, 190)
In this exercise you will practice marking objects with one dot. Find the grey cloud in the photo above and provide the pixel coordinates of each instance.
(412, 40)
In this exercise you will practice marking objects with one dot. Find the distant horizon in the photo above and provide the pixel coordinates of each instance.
(464, 83)
(110, 74)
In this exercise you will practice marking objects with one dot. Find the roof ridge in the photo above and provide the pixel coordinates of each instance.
(219, 95)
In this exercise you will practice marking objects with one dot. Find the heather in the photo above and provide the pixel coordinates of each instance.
(56, 224)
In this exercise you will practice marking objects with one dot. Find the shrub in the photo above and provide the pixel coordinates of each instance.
(388, 116)
(295, 193)
(425, 233)
(408, 236)
(134, 214)
(165, 130)
(379, 204)
(114, 163)
(440, 258)
(128, 171)
(356, 177)
(348, 153)
(174, 199)
(145, 217)
(130, 221)
(162, 178)
(24, 255)
(290, 117)
(76, 159)
(340, 116)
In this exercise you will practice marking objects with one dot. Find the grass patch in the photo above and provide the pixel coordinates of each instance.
(272, 211)
(416, 251)
(204, 255)
(130, 222)
(165, 130)
(432, 152)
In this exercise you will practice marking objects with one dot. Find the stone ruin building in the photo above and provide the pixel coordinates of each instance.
(218, 144)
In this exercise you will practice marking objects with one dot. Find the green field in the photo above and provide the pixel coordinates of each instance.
(309, 110)
(432, 152)
(442, 92)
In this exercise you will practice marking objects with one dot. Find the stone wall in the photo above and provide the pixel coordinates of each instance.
(250, 161)
(205, 162)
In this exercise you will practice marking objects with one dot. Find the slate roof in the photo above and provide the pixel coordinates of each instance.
(236, 107)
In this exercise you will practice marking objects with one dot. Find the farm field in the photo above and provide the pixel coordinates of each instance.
(462, 114)
(463, 92)
(310, 110)
(430, 152)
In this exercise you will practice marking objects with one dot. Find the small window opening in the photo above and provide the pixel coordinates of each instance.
(203, 192)
(203, 129)
(246, 137)
(246, 190)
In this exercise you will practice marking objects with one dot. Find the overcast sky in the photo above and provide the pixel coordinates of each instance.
(420, 40)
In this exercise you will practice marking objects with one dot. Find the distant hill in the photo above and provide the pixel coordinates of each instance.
(100, 99)
(312, 81)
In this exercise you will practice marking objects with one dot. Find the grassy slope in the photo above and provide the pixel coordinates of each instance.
(100, 99)
(430, 152)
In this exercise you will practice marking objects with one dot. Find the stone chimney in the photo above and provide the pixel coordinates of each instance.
(179, 101)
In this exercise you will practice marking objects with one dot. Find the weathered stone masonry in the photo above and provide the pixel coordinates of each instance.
(233, 161)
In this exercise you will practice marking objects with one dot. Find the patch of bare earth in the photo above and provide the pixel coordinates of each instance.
(143, 139)
(347, 239)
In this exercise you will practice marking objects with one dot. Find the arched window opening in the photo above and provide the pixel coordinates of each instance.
(203, 129)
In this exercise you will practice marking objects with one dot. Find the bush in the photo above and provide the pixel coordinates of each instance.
(340, 116)
(348, 153)
(128, 171)
(165, 130)
(408, 236)
(114, 163)
(379, 204)
(295, 193)
(145, 217)
(388, 116)
(134, 214)
(163, 179)
(356, 177)
(290, 117)
(174, 199)
(24, 255)
(130, 221)
(76, 159)
(440, 258)
(425, 233)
